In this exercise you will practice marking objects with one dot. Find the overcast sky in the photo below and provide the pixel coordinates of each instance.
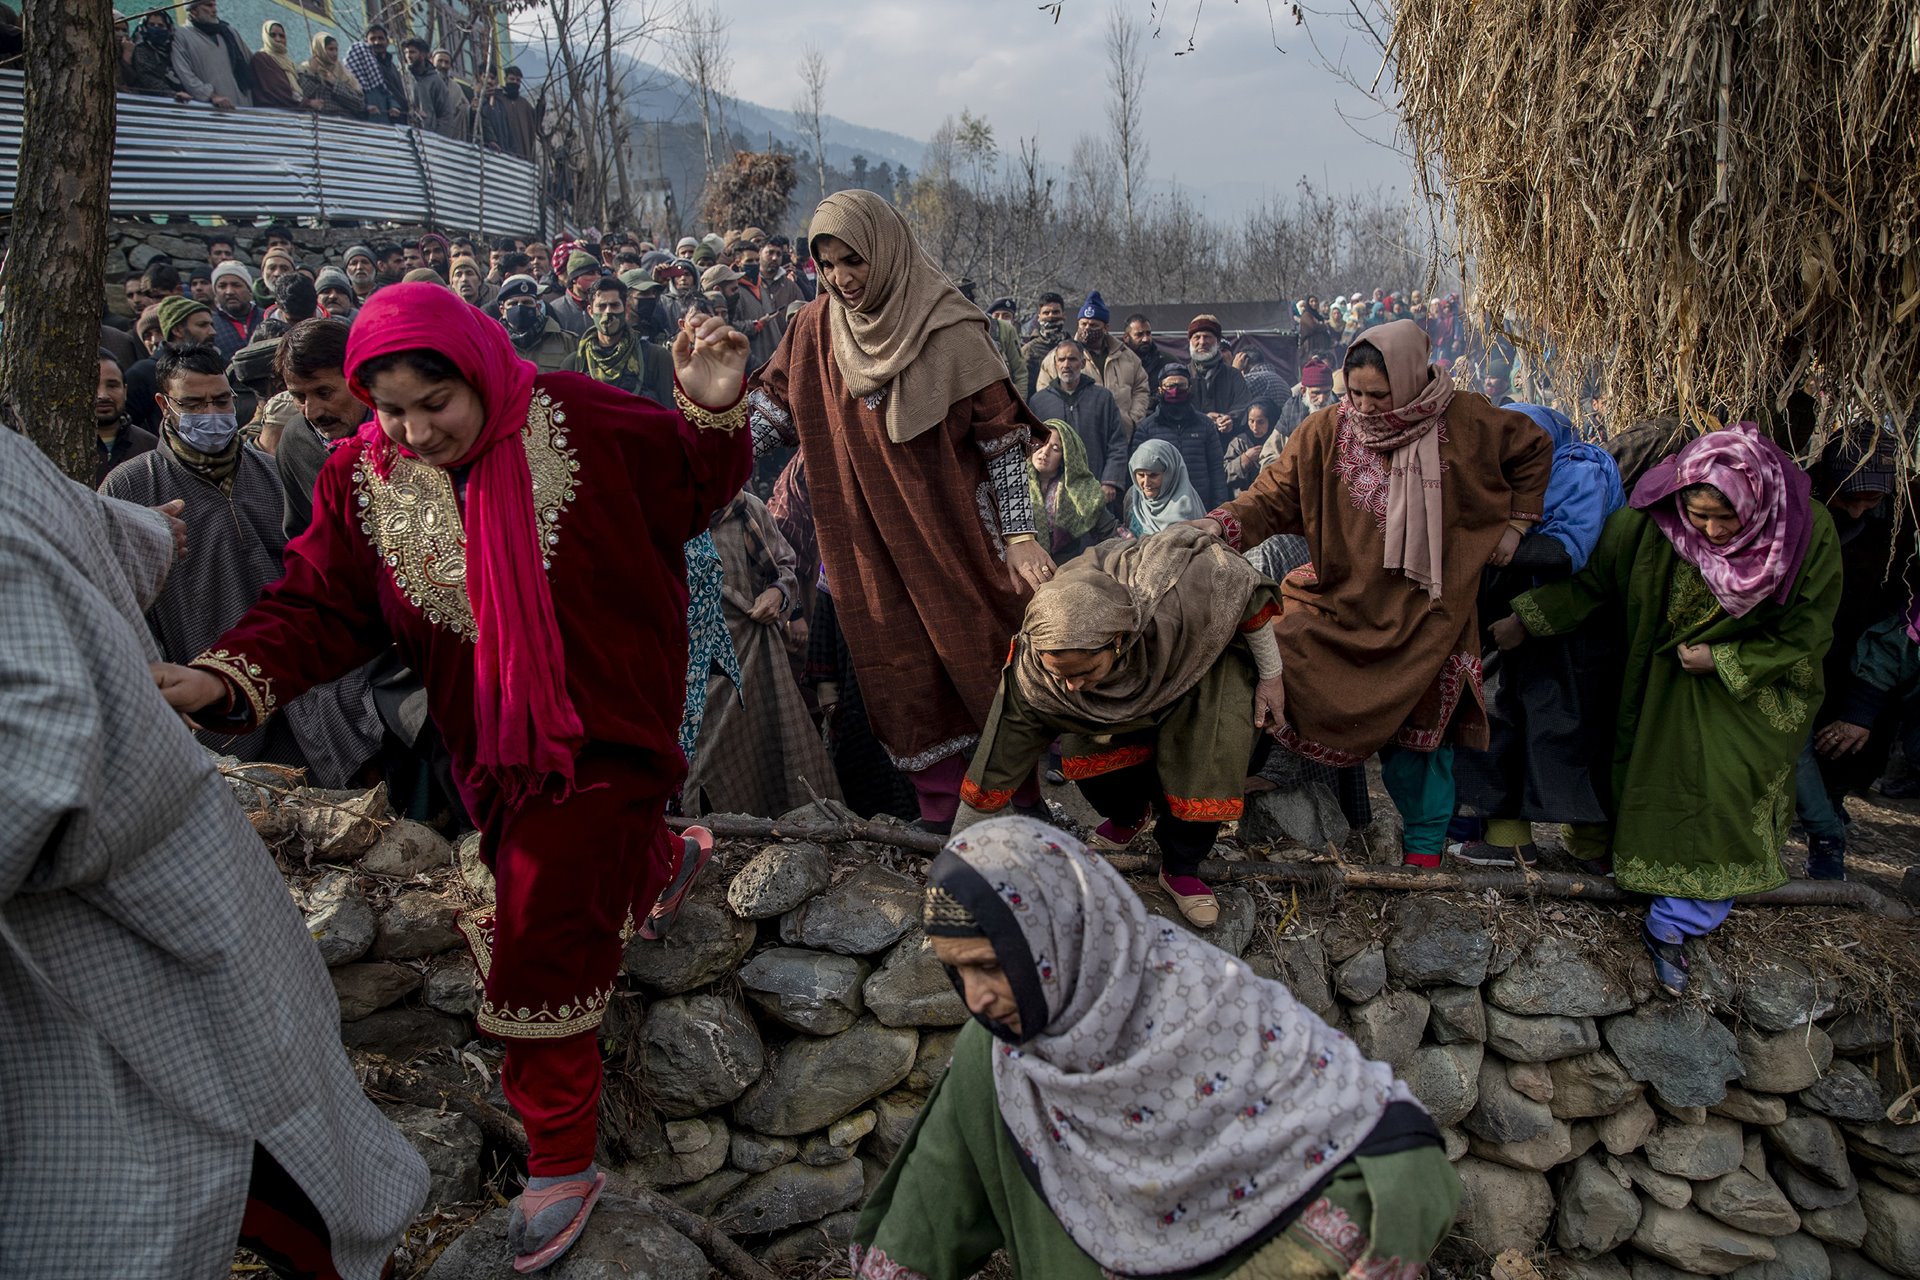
(1230, 120)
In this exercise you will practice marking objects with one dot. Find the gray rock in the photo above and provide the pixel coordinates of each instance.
(811, 1083)
(1531, 1080)
(867, 912)
(417, 925)
(1446, 1079)
(700, 1197)
(1783, 993)
(700, 1052)
(789, 1196)
(1590, 1084)
(1846, 1092)
(622, 1241)
(1503, 1115)
(1543, 1151)
(1598, 1210)
(1696, 1243)
(1307, 814)
(1750, 1108)
(1750, 1203)
(1808, 1193)
(1554, 976)
(779, 878)
(759, 1152)
(407, 849)
(1796, 1257)
(1686, 1056)
(1893, 1228)
(339, 918)
(1895, 1148)
(813, 1244)
(708, 942)
(1784, 1063)
(1697, 1151)
(1848, 1265)
(848, 1130)
(474, 873)
(813, 991)
(1435, 942)
(1815, 1146)
(449, 1143)
(1455, 1142)
(1685, 1115)
(911, 988)
(1501, 1207)
(405, 1033)
(1362, 977)
(665, 1167)
(1845, 1225)
(894, 1114)
(930, 1063)
(453, 986)
(1662, 1188)
(1626, 1129)
(1539, 1039)
(1864, 1031)
(684, 1137)
(1459, 1014)
(819, 1150)
(1302, 962)
(364, 988)
(1388, 1028)
(1605, 1267)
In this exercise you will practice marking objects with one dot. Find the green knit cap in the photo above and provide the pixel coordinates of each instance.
(578, 262)
(174, 312)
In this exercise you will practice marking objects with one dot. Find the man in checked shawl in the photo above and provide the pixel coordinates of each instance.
(172, 1073)
(1129, 1100)
(1155, 665)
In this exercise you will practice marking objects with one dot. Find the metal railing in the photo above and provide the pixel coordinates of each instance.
(188, 159)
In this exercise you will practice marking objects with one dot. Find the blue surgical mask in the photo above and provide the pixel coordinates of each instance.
(207, 432)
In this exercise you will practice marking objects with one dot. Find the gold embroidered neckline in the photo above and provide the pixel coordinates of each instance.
(413, 520)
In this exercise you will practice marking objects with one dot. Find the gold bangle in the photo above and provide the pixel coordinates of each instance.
(1015, 539)
(705, 419)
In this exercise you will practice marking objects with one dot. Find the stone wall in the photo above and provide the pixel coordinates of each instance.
(767, 1060)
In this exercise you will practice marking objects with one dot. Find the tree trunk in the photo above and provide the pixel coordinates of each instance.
(58, 233)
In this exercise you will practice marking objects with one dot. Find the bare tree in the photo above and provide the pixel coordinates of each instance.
(698, 53)
(810, 108)
(58, 232)
(1126, 83)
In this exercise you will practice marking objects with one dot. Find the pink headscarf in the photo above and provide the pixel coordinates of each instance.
(527, 728)
(1416, 515)
(1772, 497)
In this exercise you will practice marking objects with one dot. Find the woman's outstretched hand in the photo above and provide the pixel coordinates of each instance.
(1208, 525)
(1509, 632)
(1029, 566)
(710, 362)
(187, 689)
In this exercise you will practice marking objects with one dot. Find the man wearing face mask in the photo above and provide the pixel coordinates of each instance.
(1201, 446)
(683, 290)
(235, 314)
(1049, 326)
(613, 354)
(581, 278)
(536, 335)
(1109, 363)
(521, 117)
(1220, 391)
(233, 510)
(760, 304)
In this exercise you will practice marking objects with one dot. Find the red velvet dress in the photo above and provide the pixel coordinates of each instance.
(620, 485)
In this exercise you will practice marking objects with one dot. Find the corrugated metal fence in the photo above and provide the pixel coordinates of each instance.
(189, 159)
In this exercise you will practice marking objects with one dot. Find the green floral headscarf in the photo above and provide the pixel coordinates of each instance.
(1074, 502)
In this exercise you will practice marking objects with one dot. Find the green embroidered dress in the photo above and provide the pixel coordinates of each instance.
(1703, 765)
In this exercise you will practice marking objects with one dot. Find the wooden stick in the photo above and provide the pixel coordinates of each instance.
(719, 1247)
(1331, 875)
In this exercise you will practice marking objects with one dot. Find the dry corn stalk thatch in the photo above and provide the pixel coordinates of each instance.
(1710, 199)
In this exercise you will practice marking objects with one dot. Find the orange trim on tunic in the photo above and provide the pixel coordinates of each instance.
(977, 797)
(1203, 810)
(1262, 618)
(1078, 767)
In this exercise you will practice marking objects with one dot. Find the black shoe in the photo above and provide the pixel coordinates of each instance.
(1041, 812)
(1595, 866)
(1669, 962)
(1826, 859)
(934, 828)
(1481, 854)
(1900, 788)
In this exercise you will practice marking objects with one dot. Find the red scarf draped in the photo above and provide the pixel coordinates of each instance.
(527, 728)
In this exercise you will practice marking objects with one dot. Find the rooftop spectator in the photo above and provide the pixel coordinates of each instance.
(324, 76)
(146, 63)
(210, 62)
(276, 80)
(371, 62)
(431, 102)
(522, 117)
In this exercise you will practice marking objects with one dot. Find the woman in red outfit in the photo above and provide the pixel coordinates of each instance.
(518, 537)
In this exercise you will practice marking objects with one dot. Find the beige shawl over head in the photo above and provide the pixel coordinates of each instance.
(1408, 433)
(912, 333)
(1175, 599)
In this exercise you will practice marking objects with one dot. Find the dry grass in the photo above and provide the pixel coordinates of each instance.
(1710, 199)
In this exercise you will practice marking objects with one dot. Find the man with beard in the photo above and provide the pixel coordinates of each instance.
(371, 62)
(389, 264)
(311, 362)
(335, 293)
(1049, 326)
(235, 314)
(536, 335)
(497, 255)
(359, 268)
(210, 62)
(721, 284)
(430, 99)
(200, 285)
(1201, 445)
(1076, 399)
(581, 279)
(435, 251)
(1220, 391)
(522, 119)
(465, 278)
(762, 302)
(615, 355)
(1108, 362)
(119, 439)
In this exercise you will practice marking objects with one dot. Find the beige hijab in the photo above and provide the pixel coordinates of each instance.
(280, 56)
(1175, 600)
(913, 334)
(1416, 514)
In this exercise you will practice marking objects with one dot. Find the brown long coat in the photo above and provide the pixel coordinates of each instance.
(1369, 659)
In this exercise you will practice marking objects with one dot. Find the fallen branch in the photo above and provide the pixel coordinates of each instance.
(1328, 875)
(719, 1247)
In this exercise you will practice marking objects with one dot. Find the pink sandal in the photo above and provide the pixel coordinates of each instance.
(532, 1202)
(693, 860)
